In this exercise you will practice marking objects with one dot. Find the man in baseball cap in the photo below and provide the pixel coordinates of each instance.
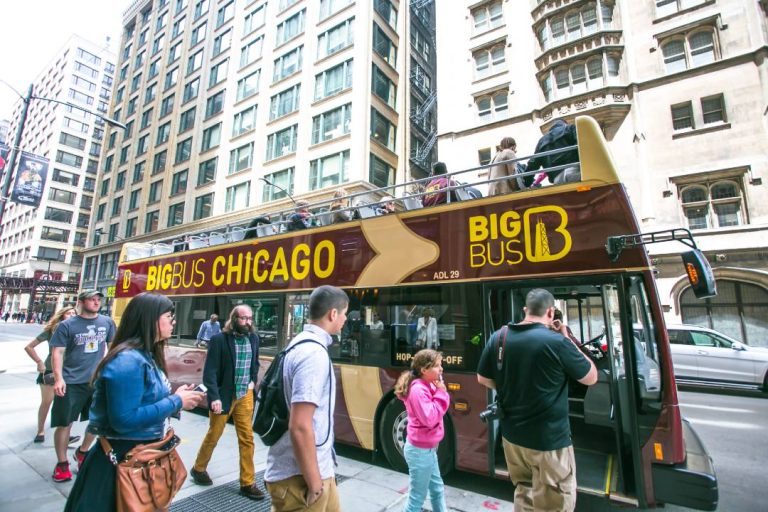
(77, 346)
(89, 294)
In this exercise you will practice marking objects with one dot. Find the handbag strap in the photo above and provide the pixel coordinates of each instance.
(108, 450)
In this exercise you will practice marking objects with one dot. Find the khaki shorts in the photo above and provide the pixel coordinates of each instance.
(290, 495)
(544, 480)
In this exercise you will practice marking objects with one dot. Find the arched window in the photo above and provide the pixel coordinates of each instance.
(493, 107)
(557, 26)
(684, 51)
(726, 203)
(674, 55)
(715, 204)
(702, 48)
(578, 78)
(489, 61)
(695, 206)
(737, 310)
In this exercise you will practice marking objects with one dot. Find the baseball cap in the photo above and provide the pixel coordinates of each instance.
(88, 294)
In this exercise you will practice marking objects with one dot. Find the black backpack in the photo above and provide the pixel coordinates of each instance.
(272, 414)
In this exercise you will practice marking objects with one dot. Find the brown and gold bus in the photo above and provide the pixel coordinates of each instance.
(471, 262)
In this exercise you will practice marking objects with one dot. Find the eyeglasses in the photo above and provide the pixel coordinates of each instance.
(248, 318)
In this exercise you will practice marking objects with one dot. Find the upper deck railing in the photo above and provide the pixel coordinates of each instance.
(594, 165)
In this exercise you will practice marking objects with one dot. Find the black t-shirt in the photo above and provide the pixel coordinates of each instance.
(534, 384)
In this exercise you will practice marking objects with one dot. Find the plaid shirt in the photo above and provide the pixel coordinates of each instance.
(243, 356)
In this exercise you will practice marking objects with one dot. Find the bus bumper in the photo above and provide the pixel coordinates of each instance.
(691, 483)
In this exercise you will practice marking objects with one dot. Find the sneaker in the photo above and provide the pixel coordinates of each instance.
(61, 472)
(252, 492)
(200, 477)
(80, 458)
(73, 439)
(39, 438)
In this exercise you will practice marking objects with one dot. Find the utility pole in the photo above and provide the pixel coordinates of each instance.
(11, 166)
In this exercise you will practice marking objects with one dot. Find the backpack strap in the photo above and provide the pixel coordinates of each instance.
(330, 369)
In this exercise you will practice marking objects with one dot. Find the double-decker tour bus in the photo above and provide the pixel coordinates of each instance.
(471, 262)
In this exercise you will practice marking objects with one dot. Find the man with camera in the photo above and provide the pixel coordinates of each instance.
(529, 364)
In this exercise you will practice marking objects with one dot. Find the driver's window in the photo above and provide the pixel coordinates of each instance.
(722, 342)
(701, 339)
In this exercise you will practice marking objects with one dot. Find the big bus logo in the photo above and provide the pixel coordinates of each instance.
(126, 279)
(507, 238)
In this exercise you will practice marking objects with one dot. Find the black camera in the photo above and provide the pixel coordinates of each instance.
(493, 412)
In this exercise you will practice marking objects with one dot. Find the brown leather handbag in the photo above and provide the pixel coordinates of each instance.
(149, 476)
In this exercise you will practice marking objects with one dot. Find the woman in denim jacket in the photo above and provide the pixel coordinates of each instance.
(132, 400)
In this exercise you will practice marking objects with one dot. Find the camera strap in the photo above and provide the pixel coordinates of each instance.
(501, 343)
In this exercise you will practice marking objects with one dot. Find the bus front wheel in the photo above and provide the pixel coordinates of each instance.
(393, 433)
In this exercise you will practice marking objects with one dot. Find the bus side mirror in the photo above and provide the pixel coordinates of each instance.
(699, 274)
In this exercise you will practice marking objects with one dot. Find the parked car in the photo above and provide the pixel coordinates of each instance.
(703, 355)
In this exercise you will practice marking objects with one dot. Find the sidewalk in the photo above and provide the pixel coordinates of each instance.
(25, 467)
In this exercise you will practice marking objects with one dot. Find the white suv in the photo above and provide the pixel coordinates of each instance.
(704, 356)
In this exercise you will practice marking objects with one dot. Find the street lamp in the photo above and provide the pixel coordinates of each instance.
(9, 168)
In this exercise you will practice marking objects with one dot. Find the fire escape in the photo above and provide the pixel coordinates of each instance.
(422, 110)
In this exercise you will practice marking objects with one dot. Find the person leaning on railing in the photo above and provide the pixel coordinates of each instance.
(561, 135)
(434, 191)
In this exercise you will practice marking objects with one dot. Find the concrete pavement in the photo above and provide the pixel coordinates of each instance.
(26, 468)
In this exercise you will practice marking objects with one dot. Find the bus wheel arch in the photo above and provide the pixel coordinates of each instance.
(391, 432)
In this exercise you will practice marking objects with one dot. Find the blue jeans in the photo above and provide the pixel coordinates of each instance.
(425, 476)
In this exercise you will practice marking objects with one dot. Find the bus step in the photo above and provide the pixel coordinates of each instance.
(595, 472)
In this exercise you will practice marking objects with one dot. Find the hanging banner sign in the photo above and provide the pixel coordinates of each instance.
(30, 180)
(5, 151)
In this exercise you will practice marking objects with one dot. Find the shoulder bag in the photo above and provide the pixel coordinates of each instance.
(149, 476)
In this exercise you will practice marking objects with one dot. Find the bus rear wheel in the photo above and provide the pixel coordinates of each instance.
(393, 433)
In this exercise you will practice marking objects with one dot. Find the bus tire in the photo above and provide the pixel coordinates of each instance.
(392, 435)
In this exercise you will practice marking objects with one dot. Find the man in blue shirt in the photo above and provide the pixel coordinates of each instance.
(208, 330)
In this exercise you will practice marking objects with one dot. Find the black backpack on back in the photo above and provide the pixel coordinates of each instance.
(271, 419)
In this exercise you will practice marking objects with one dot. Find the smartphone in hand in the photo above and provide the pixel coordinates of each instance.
(201, 388)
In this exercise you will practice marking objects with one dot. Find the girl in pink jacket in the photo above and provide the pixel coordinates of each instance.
(427, 401)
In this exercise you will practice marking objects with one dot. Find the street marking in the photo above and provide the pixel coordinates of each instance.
(724, 424)
(716, 408)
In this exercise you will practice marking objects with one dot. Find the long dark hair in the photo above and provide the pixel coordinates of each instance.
(138, 329)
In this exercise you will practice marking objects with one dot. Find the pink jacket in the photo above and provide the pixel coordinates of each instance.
(426, 406)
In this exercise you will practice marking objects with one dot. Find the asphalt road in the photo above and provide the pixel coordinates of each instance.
(729, 423)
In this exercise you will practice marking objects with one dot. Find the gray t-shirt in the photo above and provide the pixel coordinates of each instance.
(85, 341)
(306, 379)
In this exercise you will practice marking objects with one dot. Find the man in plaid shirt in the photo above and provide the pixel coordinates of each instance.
(231, 370)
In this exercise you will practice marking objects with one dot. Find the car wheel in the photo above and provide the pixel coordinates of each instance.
(393, 432)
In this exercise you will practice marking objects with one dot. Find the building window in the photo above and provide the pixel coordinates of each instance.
(382, 130)
(330, 7)
(336, 39)
(195, 62)
(174, 53)
(62, 196)
(183, 151)
(138, 172)
(214, 104)
(203, 206)
(151, 221)
(713, 109)
(488, 16)
(291, 27)
(248, 85)
(142, 145)
(285, 102)
(254, 19)
(288, 64)
(684, 51)
(575, 24)
(334, 80)
(712, 204)
(218, 73)
(211, 137)
(332, 124)
(667, 7)
(225, 13)
(283, 181)
(171, 78)
(282, 143)
(117, 204)
(187, 120)
(384, 46)
(581, 77)
(244, 121)
(328, 171)
(484, 156)
(155, 189)
(166, 106)
(201, 7)
(179, 182)
(237, 197)
(489, 60)
(159, 161)
(383, 87)
(133, 200)
(198, 33)
(251, 51)
(420, 78)
(493, 107)
(682, 116)
(222, 42)
(381, 174)
(387, 11)
(191, 89)
(57, 215)
(130, 227)
(207, 171)
(240, 158)
(163, 133)
(175, 214)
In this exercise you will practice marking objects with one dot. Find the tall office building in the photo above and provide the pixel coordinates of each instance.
(680, 88)
(311, 95)
(46, 242)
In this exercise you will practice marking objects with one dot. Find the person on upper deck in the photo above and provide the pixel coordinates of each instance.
(434, 190)
(301, 218)
(561, 135)
(506, 151)
(339, 207)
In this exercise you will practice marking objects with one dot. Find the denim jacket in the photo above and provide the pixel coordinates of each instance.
(130, 399)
